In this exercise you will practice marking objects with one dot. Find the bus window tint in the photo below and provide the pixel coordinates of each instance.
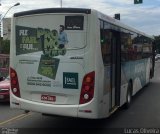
(125, 45)
(132, 48)
(105, 42)
(147, 47)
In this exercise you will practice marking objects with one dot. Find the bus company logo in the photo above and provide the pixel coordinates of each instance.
(70, 80)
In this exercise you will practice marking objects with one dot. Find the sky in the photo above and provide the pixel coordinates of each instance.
(144, 17)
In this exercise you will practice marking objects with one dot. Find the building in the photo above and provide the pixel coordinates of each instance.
(4, 65)
(6, 28)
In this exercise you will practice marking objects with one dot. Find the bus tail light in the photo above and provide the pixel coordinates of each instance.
(87, 90)
(14, 83)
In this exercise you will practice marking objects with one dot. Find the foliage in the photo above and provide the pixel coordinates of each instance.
(157, 43)
(4, 46)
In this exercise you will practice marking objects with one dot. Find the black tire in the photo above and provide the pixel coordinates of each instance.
(129, 96)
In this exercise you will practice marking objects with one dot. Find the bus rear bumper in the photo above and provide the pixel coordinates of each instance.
(60, 110)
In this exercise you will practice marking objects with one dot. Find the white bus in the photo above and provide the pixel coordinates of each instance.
(88, 69)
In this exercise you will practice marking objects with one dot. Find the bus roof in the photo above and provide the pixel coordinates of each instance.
(82, 10)
(53, 10)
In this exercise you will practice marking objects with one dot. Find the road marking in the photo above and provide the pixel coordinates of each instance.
(21, 116)
(26, 115)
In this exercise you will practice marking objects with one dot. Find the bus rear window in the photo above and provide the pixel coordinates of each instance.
(74, 22)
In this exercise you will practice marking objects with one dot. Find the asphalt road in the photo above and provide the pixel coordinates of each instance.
(143, 113)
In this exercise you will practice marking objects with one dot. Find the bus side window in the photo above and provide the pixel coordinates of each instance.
(147, 48)
(125, 47)
(105, 42)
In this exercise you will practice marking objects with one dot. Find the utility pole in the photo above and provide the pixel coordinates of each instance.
(0, 23)
(0, 30)
(17, 4)
(1, 20)
(61, 3)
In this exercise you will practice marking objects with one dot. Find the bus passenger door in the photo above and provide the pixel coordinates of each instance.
(115, 70)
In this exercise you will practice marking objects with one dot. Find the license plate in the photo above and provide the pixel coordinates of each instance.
(48, 98)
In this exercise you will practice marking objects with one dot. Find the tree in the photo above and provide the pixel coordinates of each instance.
(157, 43)
(4, 46)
